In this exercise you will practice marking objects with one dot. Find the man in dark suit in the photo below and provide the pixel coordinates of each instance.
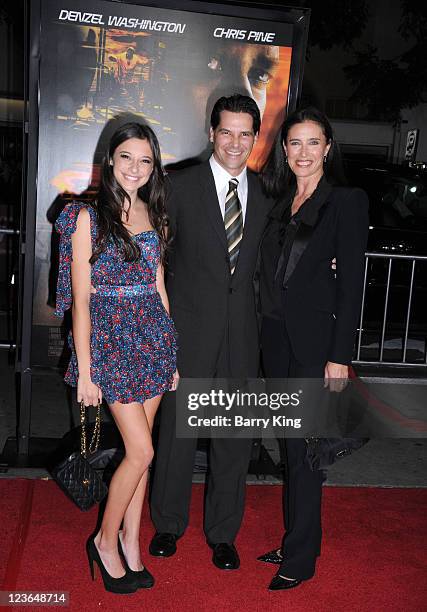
(217, 212)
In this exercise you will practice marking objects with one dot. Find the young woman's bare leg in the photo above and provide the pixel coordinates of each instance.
(132, 518)
(132, 423)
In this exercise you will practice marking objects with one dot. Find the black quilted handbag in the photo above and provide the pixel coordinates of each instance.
(75, 475)
(323, 452)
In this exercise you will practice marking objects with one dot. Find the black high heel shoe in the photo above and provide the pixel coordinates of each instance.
(144, 579)
(123, 585)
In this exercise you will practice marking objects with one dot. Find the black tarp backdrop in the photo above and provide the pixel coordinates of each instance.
(96, 63)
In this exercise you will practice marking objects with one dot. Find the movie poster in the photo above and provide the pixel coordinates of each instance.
(102, 63)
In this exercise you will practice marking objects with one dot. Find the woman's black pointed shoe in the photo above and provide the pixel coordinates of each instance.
(144, 579)
(123, 585)
(280, 584)
(273, 556)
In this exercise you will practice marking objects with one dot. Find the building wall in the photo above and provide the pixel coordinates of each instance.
(365, 138)
(416, 119)
(12, 57)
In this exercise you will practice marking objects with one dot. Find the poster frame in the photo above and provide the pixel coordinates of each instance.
(297, 17)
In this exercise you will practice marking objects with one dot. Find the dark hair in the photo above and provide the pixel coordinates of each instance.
(111, 197)
(236, 104)
(276, 175)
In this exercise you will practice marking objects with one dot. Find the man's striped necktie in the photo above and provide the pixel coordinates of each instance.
(233, 220)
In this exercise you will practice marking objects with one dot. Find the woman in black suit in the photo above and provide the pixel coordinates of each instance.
(309, 310)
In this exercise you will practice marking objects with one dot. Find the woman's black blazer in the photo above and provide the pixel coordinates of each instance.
(322, 306)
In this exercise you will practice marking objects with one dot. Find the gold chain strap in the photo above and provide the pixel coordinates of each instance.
(96, 436)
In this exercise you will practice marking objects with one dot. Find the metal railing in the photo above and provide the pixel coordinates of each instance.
(385, 323)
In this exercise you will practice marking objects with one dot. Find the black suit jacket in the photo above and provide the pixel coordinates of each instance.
(322, 306)
(207, 303)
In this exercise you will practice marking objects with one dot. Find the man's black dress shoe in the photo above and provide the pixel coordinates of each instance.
(273, 556)
(225, 556)
(280, 584)
(163, 545)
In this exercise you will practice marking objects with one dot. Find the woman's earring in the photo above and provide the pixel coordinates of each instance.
(286, 159)
(111, 162)
(325, 159)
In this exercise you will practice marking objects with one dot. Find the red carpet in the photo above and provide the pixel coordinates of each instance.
(374, 556)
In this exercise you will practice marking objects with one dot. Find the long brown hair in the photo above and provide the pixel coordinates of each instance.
(111, 197)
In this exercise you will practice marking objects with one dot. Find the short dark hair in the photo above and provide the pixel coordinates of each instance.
(237, 103)
(276, 175)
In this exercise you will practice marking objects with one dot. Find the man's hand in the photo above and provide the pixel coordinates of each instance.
(336, 376)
